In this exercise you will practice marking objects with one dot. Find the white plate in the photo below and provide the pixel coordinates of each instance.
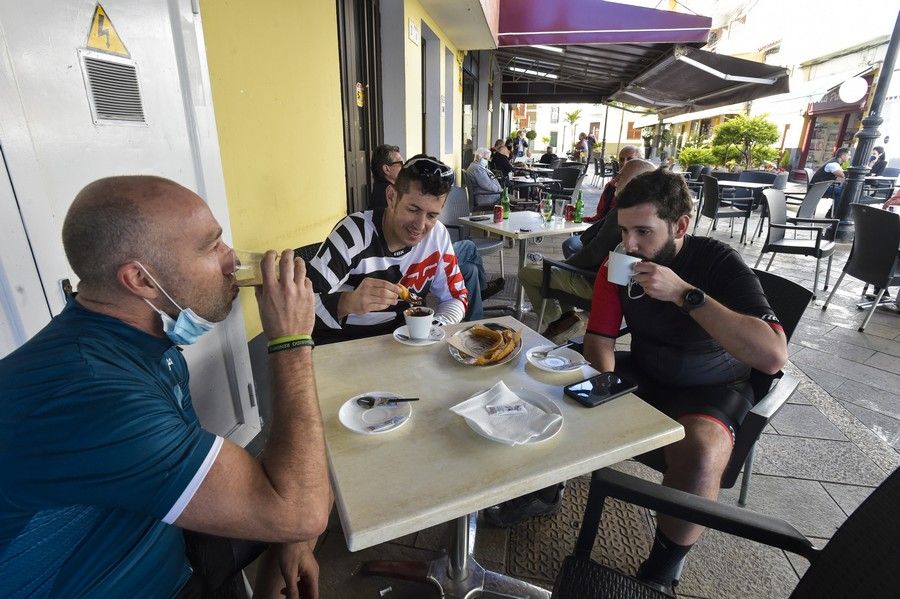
(477, 348)
(358, 419)
(535, 399)
(437, 334)
(559, 360)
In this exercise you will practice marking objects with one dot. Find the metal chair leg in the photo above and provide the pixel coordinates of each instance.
(748, 474)
(758, 260)
(833, 289)
(502, 268)
(828, 273)
(771, 260)
(541, 315)
(872, 309)
(815, 279)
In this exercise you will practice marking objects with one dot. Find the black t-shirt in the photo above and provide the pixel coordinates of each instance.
(669, 345)
(378, 199)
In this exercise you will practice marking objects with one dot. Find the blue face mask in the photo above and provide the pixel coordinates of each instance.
(484, 162)
(187, 328)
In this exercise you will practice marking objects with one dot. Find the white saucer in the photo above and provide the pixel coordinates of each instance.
(535, 399)
(559, 360)
(358, 419)
(437, 334)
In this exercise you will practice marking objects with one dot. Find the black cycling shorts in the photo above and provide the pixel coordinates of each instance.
(726, 404)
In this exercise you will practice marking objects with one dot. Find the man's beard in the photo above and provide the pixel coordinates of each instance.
(664, 256)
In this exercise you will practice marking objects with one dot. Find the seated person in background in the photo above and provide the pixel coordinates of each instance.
(609, 190)
(604, 237)
(482, 182)
(877, 162)
(699, 321)
(548, 157)
(104, 464)
(832, 171)
(500, 161)
(386, 163)
(358, 271)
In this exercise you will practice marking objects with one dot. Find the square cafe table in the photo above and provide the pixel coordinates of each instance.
(434, 468)
(522, 226)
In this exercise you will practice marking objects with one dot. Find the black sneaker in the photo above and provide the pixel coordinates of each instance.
(655, 584)
(509, 513)
(493, 288)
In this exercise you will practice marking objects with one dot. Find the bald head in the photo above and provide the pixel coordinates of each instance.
(627, 153)
(632, 169)
(117, 219)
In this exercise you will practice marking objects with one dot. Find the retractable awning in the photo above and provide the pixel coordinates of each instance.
(690, 79)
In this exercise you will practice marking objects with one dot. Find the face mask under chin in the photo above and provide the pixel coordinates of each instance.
(187, 328)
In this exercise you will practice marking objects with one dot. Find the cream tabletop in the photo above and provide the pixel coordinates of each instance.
(530, 221)
(435, 468)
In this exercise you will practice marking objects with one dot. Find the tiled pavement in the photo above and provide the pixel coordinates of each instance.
(823, 453)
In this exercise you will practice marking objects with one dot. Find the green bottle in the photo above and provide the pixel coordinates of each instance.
(504, 201)
(579, 207)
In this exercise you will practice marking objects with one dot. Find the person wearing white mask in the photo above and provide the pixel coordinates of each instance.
(104, 463)
(483, 182)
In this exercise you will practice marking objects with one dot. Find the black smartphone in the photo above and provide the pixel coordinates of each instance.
(479, 218)
(599, 389)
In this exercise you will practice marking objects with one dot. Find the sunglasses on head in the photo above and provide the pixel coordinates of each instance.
(429, 169)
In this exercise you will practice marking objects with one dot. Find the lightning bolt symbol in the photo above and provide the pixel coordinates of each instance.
(101, 30)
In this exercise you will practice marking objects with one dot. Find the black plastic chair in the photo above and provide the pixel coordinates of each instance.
(860, 560)
(807, 208)
(822, 246)
(711, 207)
(480, 200)
(456, 206)
(874, 256)
(548, 292)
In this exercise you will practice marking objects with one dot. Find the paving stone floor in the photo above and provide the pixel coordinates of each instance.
(838, 438)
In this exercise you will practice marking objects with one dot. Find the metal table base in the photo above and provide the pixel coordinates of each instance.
(458, 575)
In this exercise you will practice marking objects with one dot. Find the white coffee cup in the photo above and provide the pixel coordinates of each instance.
(418, 321)
(620, 268)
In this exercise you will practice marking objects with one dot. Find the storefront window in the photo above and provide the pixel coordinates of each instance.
(824, 140)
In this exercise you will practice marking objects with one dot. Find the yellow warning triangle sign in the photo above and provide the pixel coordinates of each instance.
(103, 36)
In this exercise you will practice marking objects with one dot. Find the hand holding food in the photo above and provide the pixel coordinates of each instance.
(408, 296)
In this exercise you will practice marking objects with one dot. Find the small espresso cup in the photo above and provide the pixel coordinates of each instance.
(620, 268)
(418, 322)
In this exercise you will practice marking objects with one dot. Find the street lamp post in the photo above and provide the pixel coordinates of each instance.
(867, 136)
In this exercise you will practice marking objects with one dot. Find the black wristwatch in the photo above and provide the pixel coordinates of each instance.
(693, 299)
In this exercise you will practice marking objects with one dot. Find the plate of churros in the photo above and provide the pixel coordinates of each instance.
(488, 344)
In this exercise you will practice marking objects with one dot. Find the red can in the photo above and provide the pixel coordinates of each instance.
(569, 213)
(498, 213)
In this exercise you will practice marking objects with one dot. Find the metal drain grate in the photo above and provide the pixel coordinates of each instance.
(537, 547)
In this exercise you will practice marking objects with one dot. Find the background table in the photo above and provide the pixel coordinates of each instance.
(522, 226)
(434, 468)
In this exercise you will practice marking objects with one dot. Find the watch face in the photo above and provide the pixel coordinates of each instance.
(693, 298)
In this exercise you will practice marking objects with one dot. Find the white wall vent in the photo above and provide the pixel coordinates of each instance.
(113, 91)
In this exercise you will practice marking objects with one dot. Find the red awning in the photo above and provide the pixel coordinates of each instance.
(558, 22)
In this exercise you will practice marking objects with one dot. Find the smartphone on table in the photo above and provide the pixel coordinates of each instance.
(599, 389)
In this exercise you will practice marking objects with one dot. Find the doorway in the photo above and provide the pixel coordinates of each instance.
(431, 92)
(358, 34)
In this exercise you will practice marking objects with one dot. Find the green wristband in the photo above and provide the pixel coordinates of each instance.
(291, 345)
(287, 338)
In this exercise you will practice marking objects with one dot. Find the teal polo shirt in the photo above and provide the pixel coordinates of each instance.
(100, 451)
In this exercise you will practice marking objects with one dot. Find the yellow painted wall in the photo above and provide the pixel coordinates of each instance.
(413, 60)
(275, 73)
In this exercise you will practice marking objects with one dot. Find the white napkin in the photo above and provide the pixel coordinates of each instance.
(514, 421)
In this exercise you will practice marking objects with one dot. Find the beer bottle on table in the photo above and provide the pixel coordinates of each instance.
(579, 207)
(504, 201)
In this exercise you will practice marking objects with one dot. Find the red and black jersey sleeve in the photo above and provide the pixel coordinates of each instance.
(606, 306)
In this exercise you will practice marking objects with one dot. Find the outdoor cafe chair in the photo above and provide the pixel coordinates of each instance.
(456, 206)
(570, 183)
(874, 256)
(771, 392)
(860, 560)
(822, 246)
(548, 292)
(807, 209)
(480, 200)
(712, 207)
(788, 300)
